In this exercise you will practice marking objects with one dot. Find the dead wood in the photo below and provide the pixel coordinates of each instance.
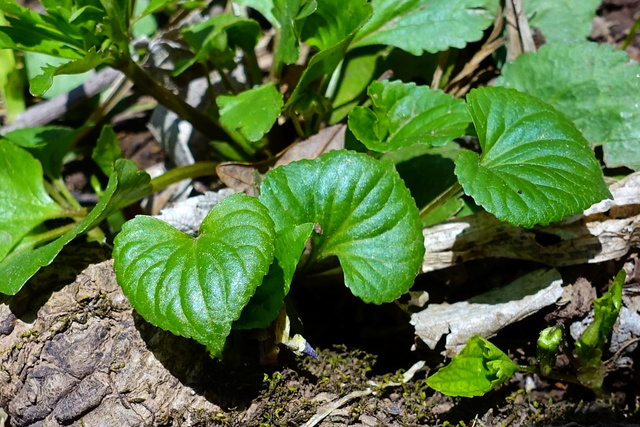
(86, 359)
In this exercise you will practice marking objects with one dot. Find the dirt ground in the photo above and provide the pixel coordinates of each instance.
(369, 370)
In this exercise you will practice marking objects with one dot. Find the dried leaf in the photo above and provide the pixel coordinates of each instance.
(245, 177)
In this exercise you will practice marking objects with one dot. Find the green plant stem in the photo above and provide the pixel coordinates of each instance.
(254, 73)
(55, 195)
(30, 242)
(454, 191)
(185, 172)
(64, 191)
(567, 378)
(198, 119)
(632, 34)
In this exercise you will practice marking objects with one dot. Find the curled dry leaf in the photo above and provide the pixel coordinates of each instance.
(605, 231)
(245, 177)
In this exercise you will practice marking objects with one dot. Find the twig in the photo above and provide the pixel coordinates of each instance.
(47, 111)
(328, 410)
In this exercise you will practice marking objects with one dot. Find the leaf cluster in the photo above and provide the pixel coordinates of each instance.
(533, 163)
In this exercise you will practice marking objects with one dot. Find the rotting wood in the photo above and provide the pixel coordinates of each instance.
(607, 230)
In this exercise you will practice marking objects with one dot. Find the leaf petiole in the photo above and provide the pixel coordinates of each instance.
(454, 191)
(185, 172)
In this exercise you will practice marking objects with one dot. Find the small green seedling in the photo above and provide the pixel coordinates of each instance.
(481, 366)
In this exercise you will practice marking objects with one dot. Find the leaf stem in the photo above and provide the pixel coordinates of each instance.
(64, 191)
(554, 375)
(29, 242)
(55, 194)
(453, 191)
(632, 34)
(202, 122)
(185, 172)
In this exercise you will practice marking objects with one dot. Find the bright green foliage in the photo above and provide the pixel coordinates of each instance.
(196, 287)
(535, 166)
(86, 34)
(330, 30)
(417, 26)
(36, 64)
(11, 91)
(357, 71)
(42, 82)
(590, 345)
(265, 304)
(48, 144)
(107, 150)
(286, 16)
(365, 215)
(24, 203)
(565, 21)
(252, 112)
(549, 342)
(404, 114)
(479, 368)
(217, 38)
(594, 85)
(126, 185)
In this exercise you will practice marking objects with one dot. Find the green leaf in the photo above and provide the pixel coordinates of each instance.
(594, 85)
(49, 144)
(535, 166)
(288, 14)
(605, 314)
(549, 342)
(24, 203)
(217, 38)
(479, 368)
(126, 185)
(426, 25)
(565, 22)
(117, 21)
(365, 217)
(252, 112)
(144, 24)
(420, 164)
(330, 29)
(196, 287)
(11, 85)
(590, 346)
(107, 150)
(265, 304)
(358, 70)
(30, 40)
(32, 32)
(41, 83)
(285, 16)
(156, 6)
(405, 114)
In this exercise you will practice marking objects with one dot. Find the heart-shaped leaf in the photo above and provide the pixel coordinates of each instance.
(196, 287)
(364, 214)
(405, 114)
(535, 166)
(595, 85)
(24, 203)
